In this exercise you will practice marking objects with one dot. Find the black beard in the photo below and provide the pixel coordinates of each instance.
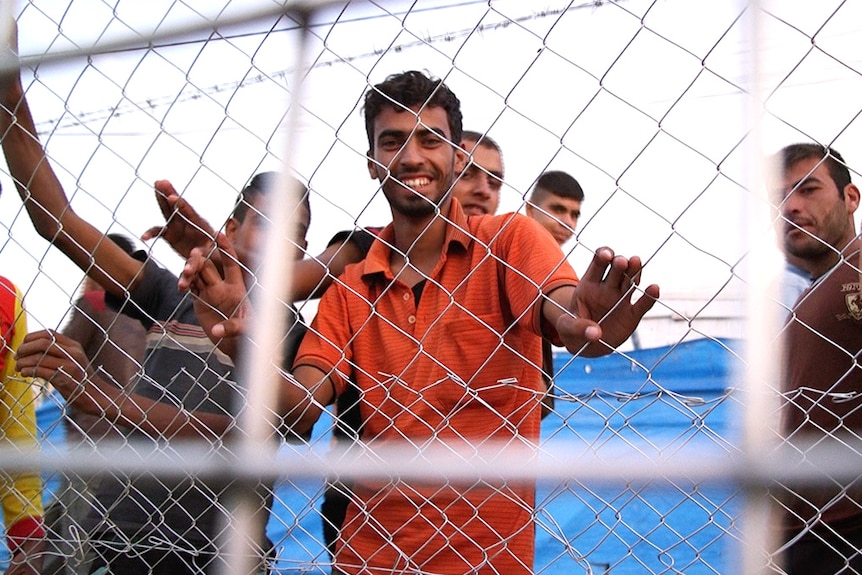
(418, 206)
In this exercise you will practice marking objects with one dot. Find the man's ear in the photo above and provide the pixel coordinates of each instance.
(851, 197)
(372, 165)
(231, 228)
(461, 158)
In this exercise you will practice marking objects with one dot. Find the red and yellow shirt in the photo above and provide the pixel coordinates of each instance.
(22, 497)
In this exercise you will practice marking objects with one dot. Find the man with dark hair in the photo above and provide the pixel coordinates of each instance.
(478, 187)
(413, 86)
(556, 204)
(440, 328)
(478, 191)
(795, 153)
(823, 340)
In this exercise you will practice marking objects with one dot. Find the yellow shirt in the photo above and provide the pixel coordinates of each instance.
(21, 493)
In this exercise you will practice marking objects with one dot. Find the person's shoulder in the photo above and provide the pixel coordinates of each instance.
(491, 226)
(506, 218)
(362, 238)
(154, 274)
(8, 285)
(352, 275)
(9, 294)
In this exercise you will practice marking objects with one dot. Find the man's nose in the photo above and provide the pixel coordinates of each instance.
(790, 204)
(410, 154)
(483, 189)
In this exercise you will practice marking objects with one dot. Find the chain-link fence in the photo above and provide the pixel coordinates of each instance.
(662, 457)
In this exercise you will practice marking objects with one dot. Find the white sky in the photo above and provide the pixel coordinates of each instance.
(643, 102)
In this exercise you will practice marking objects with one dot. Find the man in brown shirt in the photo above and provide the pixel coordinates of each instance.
(823, 340)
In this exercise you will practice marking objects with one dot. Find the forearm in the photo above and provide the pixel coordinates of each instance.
(148, 416)
(309, 279)
(556, 304)
(28, 556)
(302, 396)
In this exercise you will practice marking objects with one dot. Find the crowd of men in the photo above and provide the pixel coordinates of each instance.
(435, 329)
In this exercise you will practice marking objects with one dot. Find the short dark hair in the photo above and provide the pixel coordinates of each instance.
(838, 171)
(126, 243)
(559, 184)
(481, 139)
(261, 185)
(407, 90)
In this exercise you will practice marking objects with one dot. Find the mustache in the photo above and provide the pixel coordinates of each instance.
(795, 223)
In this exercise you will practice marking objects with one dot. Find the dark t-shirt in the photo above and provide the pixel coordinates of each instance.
(182, 368)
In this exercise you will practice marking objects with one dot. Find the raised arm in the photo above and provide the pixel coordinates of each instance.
(598, 315)
(46, 202)
(186, 230)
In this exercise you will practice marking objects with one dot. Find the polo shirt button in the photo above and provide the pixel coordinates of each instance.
(406, 296)
(411, 320)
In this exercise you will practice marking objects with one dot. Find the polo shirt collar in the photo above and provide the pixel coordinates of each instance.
(377, 260)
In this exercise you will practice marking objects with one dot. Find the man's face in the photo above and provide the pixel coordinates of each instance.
(248, 236)
(816, 220)
(478, 188)
(557, 214)
(414, 160)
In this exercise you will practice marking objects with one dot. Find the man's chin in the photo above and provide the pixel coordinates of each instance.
(475, 211)
(418, 209)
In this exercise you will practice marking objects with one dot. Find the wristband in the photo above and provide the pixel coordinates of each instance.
(27, 529)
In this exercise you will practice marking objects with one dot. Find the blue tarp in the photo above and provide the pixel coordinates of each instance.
(661, 401)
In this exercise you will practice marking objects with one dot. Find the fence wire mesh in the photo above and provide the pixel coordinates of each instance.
(654, 459)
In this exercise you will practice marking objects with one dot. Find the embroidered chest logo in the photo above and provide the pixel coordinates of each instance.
(854, 304)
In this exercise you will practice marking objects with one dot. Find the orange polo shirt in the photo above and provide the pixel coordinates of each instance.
(461, 367)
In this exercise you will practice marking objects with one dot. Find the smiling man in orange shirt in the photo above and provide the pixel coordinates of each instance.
(440, 326)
